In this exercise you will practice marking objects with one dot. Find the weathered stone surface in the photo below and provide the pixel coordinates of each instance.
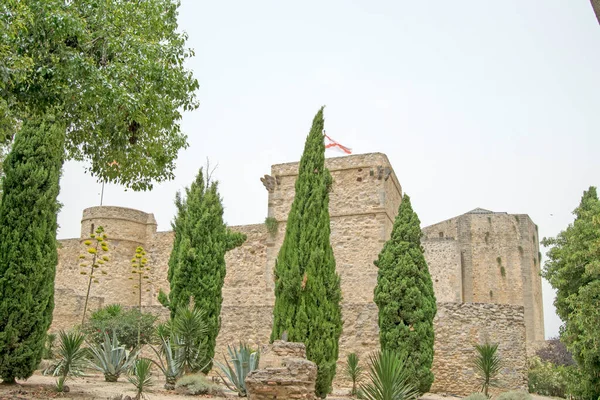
(364, 201)
(459, 327)
(284, 373)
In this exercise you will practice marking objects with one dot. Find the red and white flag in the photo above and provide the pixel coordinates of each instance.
(332, 144)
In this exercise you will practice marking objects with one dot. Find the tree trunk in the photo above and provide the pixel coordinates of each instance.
(596, 7)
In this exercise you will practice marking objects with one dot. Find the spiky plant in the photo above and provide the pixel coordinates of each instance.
(97, 241)
(141, 377)
(353, 371)
(388, 378)
(190, 326)
(72, 358)
(167, 355)
(243, 361)
(111, 358)
(487, 365)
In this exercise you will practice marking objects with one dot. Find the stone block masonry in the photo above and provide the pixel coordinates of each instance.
(364, 200)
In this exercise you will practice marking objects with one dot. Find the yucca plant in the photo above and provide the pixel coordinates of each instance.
(72, 358)
(141, 377)
(243, 360)
(353, 371)
(111, 358)
(387, 378)
(167, 356)
(487, 365)
(190, 327)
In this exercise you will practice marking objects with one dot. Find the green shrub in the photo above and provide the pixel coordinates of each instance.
(476, 396)
(49, 348)
(514, 395)
(111, 358)
(547, 379)
(353, 371)
(71, 358)
(141, 377)
(197, 384)
(114, 318)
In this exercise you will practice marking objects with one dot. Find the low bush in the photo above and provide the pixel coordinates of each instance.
(196, 384)
(476, 396)
(123, 322)
(514, 395)
(547, 379)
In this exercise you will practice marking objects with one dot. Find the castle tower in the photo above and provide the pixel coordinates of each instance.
(363, 203)
(495, 258)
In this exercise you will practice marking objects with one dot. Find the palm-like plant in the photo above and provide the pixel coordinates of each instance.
(189, 325)
(353, 371)
(141, 377)
(72, 358)
(167, 356)
(111, 358)
(387, 378)
(487, 365)
(243, 360)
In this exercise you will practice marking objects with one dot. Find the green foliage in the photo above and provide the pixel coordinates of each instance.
(189, 330)
(272, 225)
(124, 323)
(197, 384)
(72, 358)
(573, 269)
(514, 395)
(197, 270)
(503, 271)
(28, 254)
(487, 365)
(111, 358)
(548, 379)
(404, 295)
(141, 377)
(111, 71)
(476, 396)
(49, 348)
(169, 355)
(307, 287)
(243, 361)
(499, 260)
(388, 378)
(353, 371)
(97, 241)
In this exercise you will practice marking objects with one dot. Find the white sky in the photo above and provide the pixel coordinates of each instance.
(476, 103)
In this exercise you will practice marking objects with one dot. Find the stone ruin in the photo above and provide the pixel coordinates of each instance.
(284, 373)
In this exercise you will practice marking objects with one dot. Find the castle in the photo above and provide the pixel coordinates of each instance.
(484, 266)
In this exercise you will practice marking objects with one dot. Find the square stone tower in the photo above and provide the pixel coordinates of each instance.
(363, 203)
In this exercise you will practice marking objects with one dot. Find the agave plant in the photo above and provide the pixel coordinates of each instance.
(111, 358)
(72, 358)
(243, 360)
(353, 371)
(189, 325)
(141, 377)
(168, 356)
(387, 378)
(487, 365)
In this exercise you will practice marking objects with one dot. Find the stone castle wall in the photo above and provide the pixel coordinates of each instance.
(364, 200)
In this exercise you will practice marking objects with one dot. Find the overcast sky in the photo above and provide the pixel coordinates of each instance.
(491, 104)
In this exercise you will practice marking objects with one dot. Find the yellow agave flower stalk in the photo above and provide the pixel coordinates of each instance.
(92, 260)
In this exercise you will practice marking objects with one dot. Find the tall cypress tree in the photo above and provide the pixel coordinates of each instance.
(28, 255)
(307, 288)
(405, 298)
(197, 264)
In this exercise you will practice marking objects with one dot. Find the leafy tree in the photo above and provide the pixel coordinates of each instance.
(197, 264)
(573, 269)
(307, 287)
(111, 71)
(405, 298)
(28, 255)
